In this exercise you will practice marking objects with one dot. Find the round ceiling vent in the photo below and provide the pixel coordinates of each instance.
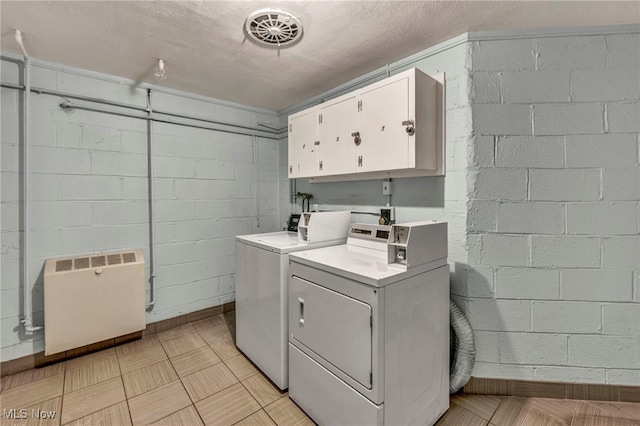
(273, 27)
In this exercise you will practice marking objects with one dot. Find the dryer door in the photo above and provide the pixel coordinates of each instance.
(334, 326)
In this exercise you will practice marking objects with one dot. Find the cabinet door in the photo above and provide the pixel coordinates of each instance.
(302, 149)
(385, 142)
(336, 152)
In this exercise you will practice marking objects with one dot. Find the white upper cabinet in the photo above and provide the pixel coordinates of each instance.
(391, 128)
(384, 141)
(303, 144)
(338, 121)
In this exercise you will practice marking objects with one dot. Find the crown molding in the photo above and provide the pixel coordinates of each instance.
(474, 36)
(15, 58)
(377, 74)
(602, 30)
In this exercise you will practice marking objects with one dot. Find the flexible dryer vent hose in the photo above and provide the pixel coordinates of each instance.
(463, 350)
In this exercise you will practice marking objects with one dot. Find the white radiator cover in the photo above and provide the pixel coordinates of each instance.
(92, 298)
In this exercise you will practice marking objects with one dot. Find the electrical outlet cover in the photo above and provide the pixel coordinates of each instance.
(386, 188)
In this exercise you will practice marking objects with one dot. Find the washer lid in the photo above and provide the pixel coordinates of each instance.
(282, 242)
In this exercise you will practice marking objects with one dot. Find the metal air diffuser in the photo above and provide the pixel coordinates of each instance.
(273, 27)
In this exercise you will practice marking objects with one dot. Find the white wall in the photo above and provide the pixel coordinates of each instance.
(89, 193)
(553, 212)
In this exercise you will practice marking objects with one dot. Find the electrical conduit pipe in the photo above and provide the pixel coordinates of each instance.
(27, 320)
(152, 214)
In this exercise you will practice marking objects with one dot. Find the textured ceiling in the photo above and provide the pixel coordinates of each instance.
(206, 52)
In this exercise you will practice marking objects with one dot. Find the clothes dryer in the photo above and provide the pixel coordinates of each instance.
(369, 327)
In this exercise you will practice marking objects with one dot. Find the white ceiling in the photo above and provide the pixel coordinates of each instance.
(205, 50)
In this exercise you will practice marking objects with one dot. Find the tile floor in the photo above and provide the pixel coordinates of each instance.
(487, 410)
(189, 375)
(194, 375)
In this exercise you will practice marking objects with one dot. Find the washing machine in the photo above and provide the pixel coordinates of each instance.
(261, 284)
(369, 327)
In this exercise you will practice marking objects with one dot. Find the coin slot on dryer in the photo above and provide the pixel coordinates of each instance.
(414, 244)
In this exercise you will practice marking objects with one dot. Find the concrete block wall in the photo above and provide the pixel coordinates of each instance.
(89, 193)
(285, 200)
(541, 195)
(542, 198)
(554, 209)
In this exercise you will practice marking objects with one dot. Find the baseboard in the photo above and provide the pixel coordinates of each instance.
(40, 359)
(558, 390)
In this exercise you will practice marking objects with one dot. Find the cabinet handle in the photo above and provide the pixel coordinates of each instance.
(411, 127)
(301, 306)
(356, 138)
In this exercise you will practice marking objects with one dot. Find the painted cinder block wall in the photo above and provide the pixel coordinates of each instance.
(89, 194)
(485, 102)
(553, 223)
(543, 144)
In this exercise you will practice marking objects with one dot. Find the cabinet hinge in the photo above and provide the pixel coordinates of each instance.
(320, 164)
(359, 160)
(320, 119)
(290, 128)
(290, 169)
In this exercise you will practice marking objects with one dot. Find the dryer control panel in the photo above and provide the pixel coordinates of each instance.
(368, 235)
